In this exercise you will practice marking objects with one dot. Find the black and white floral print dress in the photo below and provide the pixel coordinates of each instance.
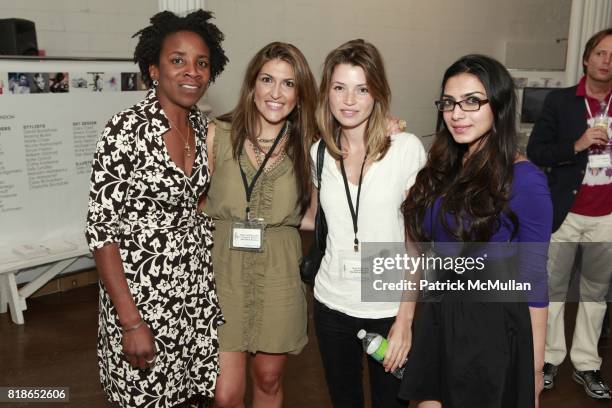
(142, 201)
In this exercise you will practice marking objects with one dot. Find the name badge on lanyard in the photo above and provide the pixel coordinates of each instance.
(350, 266)
(248, 235)
(600, 161)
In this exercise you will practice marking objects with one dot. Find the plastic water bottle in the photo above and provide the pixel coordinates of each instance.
(376, 345)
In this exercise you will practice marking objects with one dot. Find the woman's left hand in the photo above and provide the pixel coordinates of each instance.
(400, 341)
(395, 125)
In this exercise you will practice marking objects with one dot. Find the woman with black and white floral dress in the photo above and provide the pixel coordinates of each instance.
(159, 312)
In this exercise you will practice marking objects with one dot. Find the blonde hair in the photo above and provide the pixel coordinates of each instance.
(358, 53)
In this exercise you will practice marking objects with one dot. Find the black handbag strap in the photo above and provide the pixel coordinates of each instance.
(320, 158)
(320, 216)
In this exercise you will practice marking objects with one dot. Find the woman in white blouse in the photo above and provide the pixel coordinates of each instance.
(364, 180)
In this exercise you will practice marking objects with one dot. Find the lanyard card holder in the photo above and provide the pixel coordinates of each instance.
(600, 161)
(350, 266)
(248, 235)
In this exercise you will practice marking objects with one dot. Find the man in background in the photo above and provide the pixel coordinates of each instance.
(571, 141)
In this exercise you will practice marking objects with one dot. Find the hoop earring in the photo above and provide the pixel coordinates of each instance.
(155, 82)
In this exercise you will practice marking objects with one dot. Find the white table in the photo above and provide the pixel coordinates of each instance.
(14, 298)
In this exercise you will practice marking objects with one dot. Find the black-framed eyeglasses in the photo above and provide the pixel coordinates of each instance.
(466, 105)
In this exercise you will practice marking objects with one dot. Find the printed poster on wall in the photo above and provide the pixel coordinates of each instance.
(51, 115)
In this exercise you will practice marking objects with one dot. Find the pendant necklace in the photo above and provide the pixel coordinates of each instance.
(187, 145)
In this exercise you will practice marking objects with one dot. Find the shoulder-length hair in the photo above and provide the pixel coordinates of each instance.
(245, 117)
(475, 192)
(358, 53)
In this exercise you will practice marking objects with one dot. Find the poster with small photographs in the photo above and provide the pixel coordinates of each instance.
(112, 81)
(78, 82)
(95, 81)
(59, 82)
(18, 83)
(3, 83)
(63, 82)
(39, 82)
(129, 81)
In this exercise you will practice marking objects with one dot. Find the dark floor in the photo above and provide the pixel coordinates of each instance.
(56, 347)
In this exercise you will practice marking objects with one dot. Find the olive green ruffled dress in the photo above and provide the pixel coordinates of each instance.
(262, 297)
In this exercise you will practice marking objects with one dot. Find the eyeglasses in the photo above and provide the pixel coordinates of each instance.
(466, 105)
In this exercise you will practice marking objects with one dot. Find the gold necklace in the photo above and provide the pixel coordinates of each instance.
(276, 158)
(264, 140)
(264, 143)
(186, 140)
(260, 155)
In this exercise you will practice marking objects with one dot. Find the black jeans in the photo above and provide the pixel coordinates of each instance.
(342, 355)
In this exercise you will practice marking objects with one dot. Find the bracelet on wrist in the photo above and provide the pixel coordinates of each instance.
(134, 327)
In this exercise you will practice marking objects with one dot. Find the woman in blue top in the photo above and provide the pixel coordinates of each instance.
(477, 187)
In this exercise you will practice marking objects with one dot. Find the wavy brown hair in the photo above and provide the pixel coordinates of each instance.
(475, 192)
(245, 117)
(358, 53)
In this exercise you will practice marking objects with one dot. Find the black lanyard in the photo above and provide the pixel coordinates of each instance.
(248, 188)
(354, 210)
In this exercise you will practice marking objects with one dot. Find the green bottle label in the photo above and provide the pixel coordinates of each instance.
(379, 354)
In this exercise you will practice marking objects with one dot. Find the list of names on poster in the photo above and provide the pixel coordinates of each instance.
(9, 200)
(43, 162)
(85, 135)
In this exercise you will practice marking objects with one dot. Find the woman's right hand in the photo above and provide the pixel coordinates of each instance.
(139, 347)
(395, 125)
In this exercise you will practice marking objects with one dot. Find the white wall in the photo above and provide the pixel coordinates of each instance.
(418, 38)
(96, 28)
(538, 33)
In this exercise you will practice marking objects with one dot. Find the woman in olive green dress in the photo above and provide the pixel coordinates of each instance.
(262, 149)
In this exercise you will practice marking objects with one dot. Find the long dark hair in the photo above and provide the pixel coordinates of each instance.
(475, 192)
(245, 117)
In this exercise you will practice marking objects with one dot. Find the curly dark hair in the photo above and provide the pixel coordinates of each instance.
(165, 23)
